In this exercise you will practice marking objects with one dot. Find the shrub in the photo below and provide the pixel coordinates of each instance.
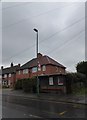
(34, 84)
(29, 85)
(18, 84)
(77, 81)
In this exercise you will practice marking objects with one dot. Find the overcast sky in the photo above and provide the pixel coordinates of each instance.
(61, 32)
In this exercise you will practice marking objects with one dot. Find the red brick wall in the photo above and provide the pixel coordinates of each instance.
(54, 69)
(21, 75)
(49, 70)
(11, 79)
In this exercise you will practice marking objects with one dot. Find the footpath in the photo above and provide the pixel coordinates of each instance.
(78, 99)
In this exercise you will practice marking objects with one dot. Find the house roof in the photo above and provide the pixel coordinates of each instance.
(43, 60)
(9, 70)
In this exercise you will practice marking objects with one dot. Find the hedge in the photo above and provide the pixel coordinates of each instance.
(28, 85)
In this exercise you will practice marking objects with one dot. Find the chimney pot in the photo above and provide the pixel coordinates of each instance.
(12, 64)
(19, 64)
(1, 67)
(39, 55)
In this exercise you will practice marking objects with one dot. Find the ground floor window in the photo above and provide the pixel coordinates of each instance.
(4, 83)
(60, 81)
(50, 80)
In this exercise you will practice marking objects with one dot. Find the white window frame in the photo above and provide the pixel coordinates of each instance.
(5, 76)
(10, 75)
(44, 68)
(25, 71)
(51, 81)
(19, 72)
(34, 69)
(59, 83)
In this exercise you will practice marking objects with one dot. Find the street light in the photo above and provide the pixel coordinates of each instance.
(37, 60)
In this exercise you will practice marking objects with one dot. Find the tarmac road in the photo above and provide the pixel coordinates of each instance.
(23, 107)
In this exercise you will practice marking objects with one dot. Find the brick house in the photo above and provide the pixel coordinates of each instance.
(51, 73)
(9, 75)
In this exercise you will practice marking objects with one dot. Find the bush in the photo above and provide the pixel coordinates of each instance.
(18, 84)
(28, 85)
(34, 84)
(81, 91)
(75, 81)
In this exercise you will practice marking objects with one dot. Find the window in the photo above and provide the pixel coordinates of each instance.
(5, 75)
(60, 81)
(9, 75)
(25, 71)
(50, 80)
(19, 72)
(43, 68)
(34, 69)
(4, 82)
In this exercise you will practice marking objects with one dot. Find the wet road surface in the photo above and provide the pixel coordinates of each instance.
(23, 107)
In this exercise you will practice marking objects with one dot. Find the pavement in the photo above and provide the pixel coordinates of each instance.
(78, 99)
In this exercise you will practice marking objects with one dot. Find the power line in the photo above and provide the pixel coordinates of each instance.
(46, 39)
(7, 26)
(66, 42)
(63, 29)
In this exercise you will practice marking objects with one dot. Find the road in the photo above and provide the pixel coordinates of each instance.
(23, 107)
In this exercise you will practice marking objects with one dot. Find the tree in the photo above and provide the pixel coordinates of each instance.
(82, 67)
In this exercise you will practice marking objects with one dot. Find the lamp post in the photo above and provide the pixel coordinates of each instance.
(37, 59)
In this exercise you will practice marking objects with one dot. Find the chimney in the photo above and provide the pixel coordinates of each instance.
(39, 55)
(1, 67)
(19, 64)
(12, 64)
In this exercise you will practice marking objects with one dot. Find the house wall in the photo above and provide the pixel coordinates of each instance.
(21, 75)
(9, 80)
(50, 69)
(45, 87)
(54, 69)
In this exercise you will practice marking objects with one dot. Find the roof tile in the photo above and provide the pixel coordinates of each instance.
(44, 60)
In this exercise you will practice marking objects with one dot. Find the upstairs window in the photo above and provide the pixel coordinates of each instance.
(43, 68)
(25, 71)
(19, 72)
(5, 76)
(9, 75)
(34, 69)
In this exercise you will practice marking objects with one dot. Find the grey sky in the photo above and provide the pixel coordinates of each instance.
(61, 32)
